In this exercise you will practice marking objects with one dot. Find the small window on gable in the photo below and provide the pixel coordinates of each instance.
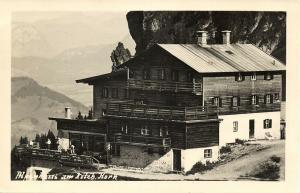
(217, 101)
(268, 99)
(145, 130)
(268, 76)
(235, 126)
(267, 123)
(189, 76)
(161, 74)
(276, 97)
(253, 76)
(239, 77)
(175, 75)
(114, 93)
(146, 74)
(104, 92)
(124, 128)
(208, 153)
(235, 101)
(131, 73)
(163, 131)
(254, 100)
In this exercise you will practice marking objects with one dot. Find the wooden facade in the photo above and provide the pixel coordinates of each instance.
(226, 88)
(156, 99)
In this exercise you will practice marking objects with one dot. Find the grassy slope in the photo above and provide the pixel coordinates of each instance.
(32, 104)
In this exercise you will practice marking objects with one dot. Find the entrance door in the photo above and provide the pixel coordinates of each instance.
(176, 159)
(251, 129)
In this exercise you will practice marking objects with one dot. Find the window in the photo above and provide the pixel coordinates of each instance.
(254, 100)
(161, 74)
(276, 97)
(124, 128)
(267, 123)
(217, 102)
(131, 73)
(175, 75)
(117, 150)
(145, 131)
(146, 74)
(253, 76)
(239, 77)
(268, 99)
(104, 92)
(114, 93)
(268, 76)
(126, 93)
(189, 76)
(235, 101)
(163, 131)
(207, 153)
(235, 126)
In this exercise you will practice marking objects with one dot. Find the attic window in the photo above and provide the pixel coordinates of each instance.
(229, 52)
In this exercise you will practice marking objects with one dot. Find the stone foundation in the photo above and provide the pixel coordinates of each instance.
(138, 156)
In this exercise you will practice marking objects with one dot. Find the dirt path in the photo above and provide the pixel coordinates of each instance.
(229, 171)
(234, 169)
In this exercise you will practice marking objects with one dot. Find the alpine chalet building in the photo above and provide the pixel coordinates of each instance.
(176, 104)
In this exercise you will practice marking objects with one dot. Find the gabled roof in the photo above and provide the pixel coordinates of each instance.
(90, 80)
(224, 58)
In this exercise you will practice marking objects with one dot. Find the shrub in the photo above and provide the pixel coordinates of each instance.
(225, 149)
(199, 167)
(239, 141)
(275, 158)
(268, 170)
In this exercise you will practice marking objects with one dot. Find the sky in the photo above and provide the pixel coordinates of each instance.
(65, 30)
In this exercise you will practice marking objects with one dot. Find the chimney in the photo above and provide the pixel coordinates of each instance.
(201, 38)
(67, 112)
(226, 37)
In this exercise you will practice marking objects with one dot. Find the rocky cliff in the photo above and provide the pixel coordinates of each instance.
(266, 30)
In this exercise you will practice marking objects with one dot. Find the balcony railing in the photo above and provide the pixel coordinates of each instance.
(162, 85)
(143, 140)
(54, 155)
(159, 112)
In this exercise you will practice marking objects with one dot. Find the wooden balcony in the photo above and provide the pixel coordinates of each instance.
(143, 140)
(159, 112)
(162, 85)
(251, 109)
(54, 155)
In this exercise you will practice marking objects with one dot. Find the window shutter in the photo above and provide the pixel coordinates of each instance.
(238, 101)
(220, 102)
(265, 123)
(271, 98)
(232, 101)
(213, 101)
(257, 99)
(265, 99)
(102, 92)
(270, 123)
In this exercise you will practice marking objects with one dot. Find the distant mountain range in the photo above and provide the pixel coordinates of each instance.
(31, 106)
(33, 57)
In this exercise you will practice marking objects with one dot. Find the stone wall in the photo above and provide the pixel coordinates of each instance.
(137, 156)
